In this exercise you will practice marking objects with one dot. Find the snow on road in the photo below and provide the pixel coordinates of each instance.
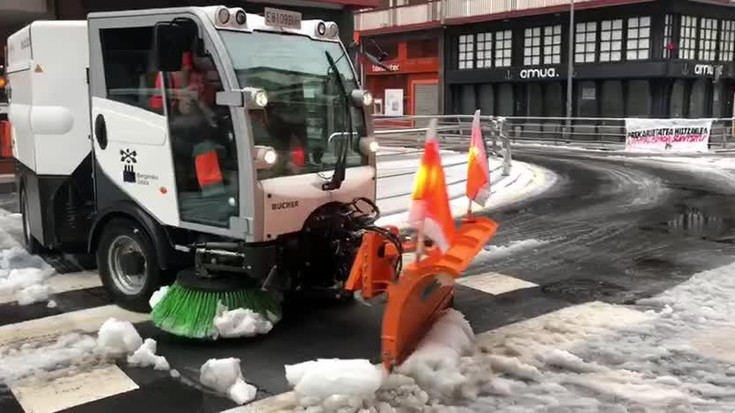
(514, 247)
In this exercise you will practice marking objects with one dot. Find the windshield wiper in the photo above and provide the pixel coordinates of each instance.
(341, 165)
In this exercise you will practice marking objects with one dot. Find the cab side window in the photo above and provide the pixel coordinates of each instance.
(129, 75)
(202, 142)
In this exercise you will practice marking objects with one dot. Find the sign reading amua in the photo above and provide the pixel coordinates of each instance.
(540, 73)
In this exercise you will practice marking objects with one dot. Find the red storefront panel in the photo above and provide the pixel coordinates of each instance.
(413, 62)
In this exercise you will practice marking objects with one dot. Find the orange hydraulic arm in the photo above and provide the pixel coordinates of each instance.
(419, 295)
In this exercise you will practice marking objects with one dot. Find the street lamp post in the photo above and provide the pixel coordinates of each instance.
(570, 68)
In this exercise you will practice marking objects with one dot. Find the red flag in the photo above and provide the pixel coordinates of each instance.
(478, 176)
(430, 211)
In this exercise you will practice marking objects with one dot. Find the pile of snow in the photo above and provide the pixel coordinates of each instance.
(145, 356)
(225, 377)
(157, 296)
(442, 362)
(335, 384)
(442, 370)
(241, 322)
(117, 338)
(33, 294)
(24, 275)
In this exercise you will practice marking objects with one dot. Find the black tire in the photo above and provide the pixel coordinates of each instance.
(30, 242)
(115, 233)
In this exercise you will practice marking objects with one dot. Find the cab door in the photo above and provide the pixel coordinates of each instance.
(142, 152)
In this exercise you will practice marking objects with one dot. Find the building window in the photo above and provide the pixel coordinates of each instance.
(484, 50)
(727, 40)
(707, 39)
(585, 42)
(639, 38)
(417, 49)
(466, 51)
(503, 47)
(611, 40)
(552, 45)
(532, 46)
(668, 36)
(688, 37)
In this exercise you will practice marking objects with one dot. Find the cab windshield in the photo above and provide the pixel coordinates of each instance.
(306, 114)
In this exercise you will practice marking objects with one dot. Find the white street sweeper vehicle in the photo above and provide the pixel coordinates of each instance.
(233, 149)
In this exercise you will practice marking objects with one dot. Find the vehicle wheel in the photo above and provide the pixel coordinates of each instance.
(29, 241)
(128, 265)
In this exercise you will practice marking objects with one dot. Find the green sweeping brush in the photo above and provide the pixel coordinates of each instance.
(190, 305)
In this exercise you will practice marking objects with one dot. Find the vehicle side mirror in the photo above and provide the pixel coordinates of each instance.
(171, 41)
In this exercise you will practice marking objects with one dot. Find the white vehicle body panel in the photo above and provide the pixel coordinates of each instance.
(138, 147)
(289, 200)
(49, 107)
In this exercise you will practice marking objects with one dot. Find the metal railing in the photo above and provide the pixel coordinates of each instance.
(601, 133)
(453, 133)
(439, 10)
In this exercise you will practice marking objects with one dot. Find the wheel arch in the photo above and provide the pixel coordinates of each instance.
(128, 210)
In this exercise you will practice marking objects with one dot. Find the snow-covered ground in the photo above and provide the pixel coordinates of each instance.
(670, 353)
(395, 182)
(22, 276)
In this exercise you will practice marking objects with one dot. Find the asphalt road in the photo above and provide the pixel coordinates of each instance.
(611, 229)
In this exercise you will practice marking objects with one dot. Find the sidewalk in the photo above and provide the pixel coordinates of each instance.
(395, 183)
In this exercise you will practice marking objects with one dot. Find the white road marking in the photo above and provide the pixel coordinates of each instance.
(284, 402)
(563, 328)
(716, 343)
(39, 395)
(494, 283)
(61, 283)
(87, 320)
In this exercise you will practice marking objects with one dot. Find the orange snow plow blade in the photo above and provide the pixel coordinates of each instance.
(423, 290)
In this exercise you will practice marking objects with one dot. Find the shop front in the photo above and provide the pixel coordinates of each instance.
(411, 85)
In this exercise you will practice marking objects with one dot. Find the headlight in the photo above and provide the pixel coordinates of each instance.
(241, 18)
(367, 99)
(368, 146)
(223, 15)
(374, 147)
(265, 157)
(270, 156)
(361, 98)
(255, 98)
(332, 29)
(321, 29)
(261, 98)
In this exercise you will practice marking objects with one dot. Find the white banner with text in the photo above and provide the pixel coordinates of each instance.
(667, 135)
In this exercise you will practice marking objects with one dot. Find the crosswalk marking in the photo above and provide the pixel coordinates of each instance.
(284, 402)
(495, 283)
(716, 343)
(61, 283)
(565, 327)
(48, 396)
(87, 320)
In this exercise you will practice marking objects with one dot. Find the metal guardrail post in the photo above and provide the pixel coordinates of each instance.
(507, 158)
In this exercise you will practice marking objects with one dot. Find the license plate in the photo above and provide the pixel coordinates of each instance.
(283, 19)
